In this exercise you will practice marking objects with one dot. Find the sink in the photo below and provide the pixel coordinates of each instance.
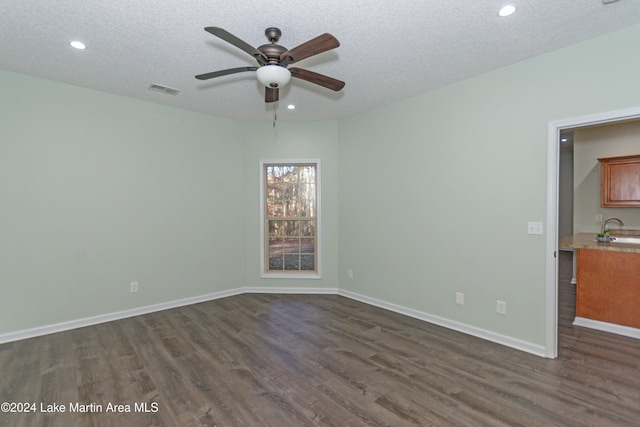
(633, 240)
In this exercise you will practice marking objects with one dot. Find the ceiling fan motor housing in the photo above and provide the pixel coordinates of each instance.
(273, 52)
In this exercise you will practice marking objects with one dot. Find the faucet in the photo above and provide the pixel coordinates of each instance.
(604, 224)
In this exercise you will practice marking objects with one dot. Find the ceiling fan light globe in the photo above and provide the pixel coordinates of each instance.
(273, 76)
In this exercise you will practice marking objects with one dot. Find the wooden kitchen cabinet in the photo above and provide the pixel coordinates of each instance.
(620, 182)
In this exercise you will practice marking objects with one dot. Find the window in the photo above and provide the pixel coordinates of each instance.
(290, 216)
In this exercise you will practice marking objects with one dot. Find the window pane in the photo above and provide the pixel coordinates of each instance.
(276, 246)
(274, 192)
(276, 263)
(291, 246)
(308, 174)
(291, 208)
(307, 262)
(274, 173)
(307, 191)
(289, 174)
(291, 228)
(306, 208)
(307, 246)
(288, 191)
(275, 208)
(292, 262)
(276, 228)
(307, 228)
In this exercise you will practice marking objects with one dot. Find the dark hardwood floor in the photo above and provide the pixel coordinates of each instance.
(294, 360)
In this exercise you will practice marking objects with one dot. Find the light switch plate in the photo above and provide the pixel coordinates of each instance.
(534, 227)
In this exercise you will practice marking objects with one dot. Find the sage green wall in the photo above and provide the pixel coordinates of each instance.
(590, 144)
(98, 190)
(292, 141)
(436, 191)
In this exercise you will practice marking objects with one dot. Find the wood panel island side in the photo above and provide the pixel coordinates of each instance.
(608, 281)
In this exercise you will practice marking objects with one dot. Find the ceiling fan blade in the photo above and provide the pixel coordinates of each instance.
(271, 94)
(211, 75)
(319, 79)
(241, 44)
(320, 44)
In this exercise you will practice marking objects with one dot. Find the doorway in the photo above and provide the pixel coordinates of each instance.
(552, 218)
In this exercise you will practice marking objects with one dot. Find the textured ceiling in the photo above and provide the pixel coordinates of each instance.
(390, 50)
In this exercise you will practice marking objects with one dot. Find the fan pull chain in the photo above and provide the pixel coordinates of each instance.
(275, 116)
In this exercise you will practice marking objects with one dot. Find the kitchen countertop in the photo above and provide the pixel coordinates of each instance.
(588, 241)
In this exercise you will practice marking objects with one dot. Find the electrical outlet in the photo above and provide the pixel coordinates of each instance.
(599, 218)
(501, 307)
(350, 274)
(534, 227)
(460, 298)
(133, 287)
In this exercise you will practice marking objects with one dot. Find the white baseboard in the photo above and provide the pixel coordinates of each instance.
(103, 318)
(627, 331)
(269, 290)
(457, 326)
(505, 340)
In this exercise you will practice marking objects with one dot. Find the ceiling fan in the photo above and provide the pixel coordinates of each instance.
(273, 60)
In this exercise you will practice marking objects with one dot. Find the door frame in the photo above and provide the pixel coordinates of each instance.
(553, 168)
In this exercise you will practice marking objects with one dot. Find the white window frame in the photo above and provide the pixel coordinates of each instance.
(263, 221)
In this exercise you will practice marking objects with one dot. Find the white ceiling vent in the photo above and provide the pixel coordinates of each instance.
(164, 89)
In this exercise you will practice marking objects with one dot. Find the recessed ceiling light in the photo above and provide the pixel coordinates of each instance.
(77, 44)
(507, 10)
(291, 107)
